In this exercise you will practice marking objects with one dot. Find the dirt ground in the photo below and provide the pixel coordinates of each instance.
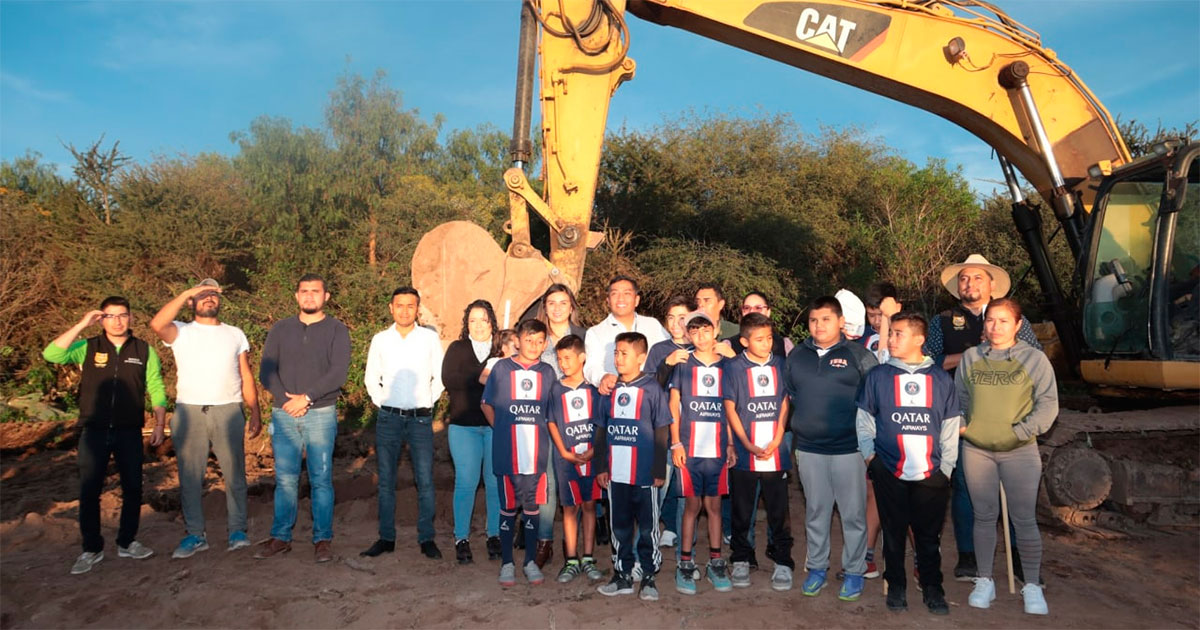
(1092, 581)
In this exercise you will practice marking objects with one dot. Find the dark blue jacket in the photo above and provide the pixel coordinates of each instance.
(823, 391)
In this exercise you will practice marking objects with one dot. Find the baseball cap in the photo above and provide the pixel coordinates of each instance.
(854, 312)
(695, 315)
(208, 282)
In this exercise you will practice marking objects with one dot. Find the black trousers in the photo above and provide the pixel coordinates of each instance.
(742, 486)
(919, 505)
(630, 507)
(96, 445)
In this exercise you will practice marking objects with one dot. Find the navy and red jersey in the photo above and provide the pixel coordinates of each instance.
(520, 396)
(574, 410)
(702, 426)
(757, 392)
(629, 416)
(909, 407)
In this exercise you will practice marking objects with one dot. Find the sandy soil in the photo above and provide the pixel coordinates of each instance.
(1093, 581)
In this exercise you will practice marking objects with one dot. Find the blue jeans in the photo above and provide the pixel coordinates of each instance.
(962, 515)
(392, 430)
(310, 435)
(549, 509)
(471, 449)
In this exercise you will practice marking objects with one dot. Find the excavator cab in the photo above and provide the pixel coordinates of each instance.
(1141, 293)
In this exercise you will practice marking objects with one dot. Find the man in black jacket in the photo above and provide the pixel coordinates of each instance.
(118, 370)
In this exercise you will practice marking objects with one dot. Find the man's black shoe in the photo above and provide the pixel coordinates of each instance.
(493, 547)
(430, 550)
(378, 547)
(896, 599)
(935, 600)
(462, 552)
(966, 570)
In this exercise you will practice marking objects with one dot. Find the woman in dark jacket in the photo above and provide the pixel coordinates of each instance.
(469, 434)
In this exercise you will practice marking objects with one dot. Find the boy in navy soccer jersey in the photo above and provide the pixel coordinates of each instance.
(574, 405)
(631, 461)
(700, 448)
(756, 407)
(907, 425)
(516, 401)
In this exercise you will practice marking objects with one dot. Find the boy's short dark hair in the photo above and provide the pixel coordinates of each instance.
(878, 291)
(712, 286)
(681, 300)
(570, 342)
(312, 277)
(529, 326)
(699, 322)
(752, 322)
(826, 301)
(635, 339)
(624, 278)
(406, 290)
(916, 321)
(115, 300)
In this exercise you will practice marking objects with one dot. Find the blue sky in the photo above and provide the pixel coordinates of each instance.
(169, 78)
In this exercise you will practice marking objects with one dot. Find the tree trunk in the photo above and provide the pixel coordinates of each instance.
(373, 222)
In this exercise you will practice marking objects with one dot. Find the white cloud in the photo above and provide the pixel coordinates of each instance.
(27, 88)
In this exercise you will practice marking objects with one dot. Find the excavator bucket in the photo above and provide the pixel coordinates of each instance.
(459, 262)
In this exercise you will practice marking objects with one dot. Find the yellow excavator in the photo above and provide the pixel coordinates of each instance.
(1132, 225)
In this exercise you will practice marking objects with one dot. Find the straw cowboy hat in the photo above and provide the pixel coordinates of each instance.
(1001, 283)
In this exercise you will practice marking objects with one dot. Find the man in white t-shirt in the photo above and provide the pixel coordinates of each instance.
(214, 380)
(623, 299)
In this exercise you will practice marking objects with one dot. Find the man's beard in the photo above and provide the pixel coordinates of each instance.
(311, 310)
(208, 312)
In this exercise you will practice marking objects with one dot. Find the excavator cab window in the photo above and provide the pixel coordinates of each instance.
(1117, 304)
(1184, 272)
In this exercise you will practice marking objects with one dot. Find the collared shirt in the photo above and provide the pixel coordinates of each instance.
(404, 371)
(602, 338)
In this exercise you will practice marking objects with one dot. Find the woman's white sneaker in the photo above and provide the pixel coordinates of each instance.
(1035, 601)
(984, 593)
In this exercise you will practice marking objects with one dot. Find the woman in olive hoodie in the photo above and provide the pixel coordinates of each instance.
(1009, 396)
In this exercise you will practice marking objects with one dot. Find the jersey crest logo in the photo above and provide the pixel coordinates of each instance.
(577, 403)
(762, 381)
(914, 390)
(526, 384)
(628, 403)
(706, 381)
(622, 400)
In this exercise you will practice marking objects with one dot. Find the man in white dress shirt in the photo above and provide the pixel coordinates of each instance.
(404, 380)
(623, 299)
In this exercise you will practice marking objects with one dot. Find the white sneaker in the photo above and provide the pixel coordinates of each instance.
(984, 593)
(1035, 601)
(740, 576)
(86, 561)
(781, 579)
(667, 539)
(135, 550)
(636, 574)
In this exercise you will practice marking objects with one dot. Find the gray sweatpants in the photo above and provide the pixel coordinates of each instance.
(1021, 471)
(193, 428)
(829, 480)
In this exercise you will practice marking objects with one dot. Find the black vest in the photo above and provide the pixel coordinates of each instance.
(112, 391)
(961, 330)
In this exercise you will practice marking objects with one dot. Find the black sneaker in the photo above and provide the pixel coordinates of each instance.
(462, 552)
(966, 570)
(935, 600)
(493, 547)
(618, 585)
(430, 549)
(896, 599)
(379, 547)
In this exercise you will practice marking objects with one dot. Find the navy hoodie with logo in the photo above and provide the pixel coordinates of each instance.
(823, 388)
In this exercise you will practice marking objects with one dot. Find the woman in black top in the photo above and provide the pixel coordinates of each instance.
(469, 434)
